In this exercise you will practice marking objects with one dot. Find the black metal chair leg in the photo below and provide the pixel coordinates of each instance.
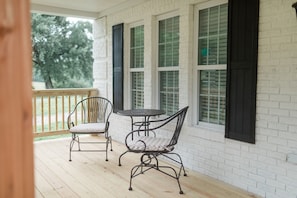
(74, 137)
(106, 149)
(121, 157)
(110, 140)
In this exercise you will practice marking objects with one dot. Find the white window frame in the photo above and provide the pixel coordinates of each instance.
(159, 69)
(130, 70)
(197, 68)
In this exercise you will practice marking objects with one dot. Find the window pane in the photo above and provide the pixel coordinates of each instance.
(212, 35)
(212, 96)
(222, 50)
(204, 108)
(203, 23)
(202, 52)
(137, 61)
(223, 19)
(213, 20)
(137, 47)
(213, 51)
(169, 42)
(169, 91)
(137, 90)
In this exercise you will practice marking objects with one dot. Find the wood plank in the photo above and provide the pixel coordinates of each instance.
(89, 175)
(16, 148)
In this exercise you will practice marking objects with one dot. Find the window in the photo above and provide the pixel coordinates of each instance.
(211, 63)
(137, 66)
(168, 62)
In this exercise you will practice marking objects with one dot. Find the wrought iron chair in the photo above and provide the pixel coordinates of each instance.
(152, 145)
(94, 113)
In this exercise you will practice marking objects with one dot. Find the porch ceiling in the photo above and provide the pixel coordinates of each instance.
(81, 8)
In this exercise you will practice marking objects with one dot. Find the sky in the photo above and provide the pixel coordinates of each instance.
(74, 19)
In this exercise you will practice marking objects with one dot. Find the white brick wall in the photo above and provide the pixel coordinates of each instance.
(260, 168)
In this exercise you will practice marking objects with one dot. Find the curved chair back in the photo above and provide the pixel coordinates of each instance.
(92, 110)
(180, 116)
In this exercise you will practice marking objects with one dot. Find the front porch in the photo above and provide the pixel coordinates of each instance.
(89, 175)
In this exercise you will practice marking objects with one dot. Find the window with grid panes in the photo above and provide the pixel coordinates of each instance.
(168, 62)
(212, 60)
(136, 66)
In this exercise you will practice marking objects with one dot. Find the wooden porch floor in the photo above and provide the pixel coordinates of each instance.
(89, 175)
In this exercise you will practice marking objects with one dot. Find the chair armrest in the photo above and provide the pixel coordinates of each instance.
(130, 136)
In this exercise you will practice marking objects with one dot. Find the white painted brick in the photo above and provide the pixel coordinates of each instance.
(268, 132)
(286, 180)
(277, 141)
(233, 164)
(285, 194)
(276, 184)
(278, 170)
(257, 191)
(266, 174)
(278, 126)
(268, 104)
(292, 128)
(266, 188)
(293, 114)
(288, 135)
(262, 110)
(267, 160)
(232, 152)
(271, 118)
(288, 105)
(294, 99)
(268, 147)
(99, 27)
(258, 151)
(288, 120)
(271, 195)
(279, 112)
(248, 155)
(292, 144)
(277, 155)
(261, 124)
(240, 172)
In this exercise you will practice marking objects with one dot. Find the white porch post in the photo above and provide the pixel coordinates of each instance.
(100, 56)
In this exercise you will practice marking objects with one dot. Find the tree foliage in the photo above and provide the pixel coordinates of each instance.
(62, 51)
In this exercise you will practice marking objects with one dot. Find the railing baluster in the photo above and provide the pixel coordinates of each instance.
(57, 117)
(34, 113)
(75, 102)
(42, 115)
(42, 109)
(49, 113)
(63, 110)
(81, 111)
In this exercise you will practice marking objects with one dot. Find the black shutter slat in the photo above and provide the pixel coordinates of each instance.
(242, 69)
(118, 66)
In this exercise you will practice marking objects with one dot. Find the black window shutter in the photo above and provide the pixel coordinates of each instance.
(243, 22)
(118, 66)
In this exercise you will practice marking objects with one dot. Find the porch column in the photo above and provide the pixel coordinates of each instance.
(100, 56)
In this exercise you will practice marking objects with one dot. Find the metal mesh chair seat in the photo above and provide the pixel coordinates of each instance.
(150, 144)
(88, 128)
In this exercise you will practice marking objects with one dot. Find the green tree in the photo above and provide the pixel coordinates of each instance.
(62, 51)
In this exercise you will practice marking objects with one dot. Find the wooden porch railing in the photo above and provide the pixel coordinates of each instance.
(52, 107)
